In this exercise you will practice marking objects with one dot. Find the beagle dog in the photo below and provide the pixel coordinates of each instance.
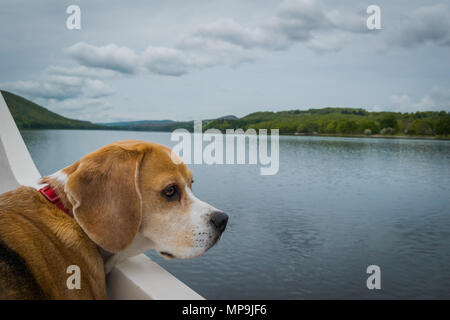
(122, 200)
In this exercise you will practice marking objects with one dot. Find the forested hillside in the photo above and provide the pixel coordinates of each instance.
(343, 121)
(29, 115)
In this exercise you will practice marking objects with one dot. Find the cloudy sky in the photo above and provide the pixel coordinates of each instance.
(198, 59)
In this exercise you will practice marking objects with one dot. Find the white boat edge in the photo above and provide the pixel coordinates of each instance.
(137, 278)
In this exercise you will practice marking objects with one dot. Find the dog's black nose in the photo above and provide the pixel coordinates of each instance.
(219, 220)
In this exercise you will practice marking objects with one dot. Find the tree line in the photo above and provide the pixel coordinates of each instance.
(343, 121)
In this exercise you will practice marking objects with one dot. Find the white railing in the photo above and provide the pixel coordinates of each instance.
(136, 278)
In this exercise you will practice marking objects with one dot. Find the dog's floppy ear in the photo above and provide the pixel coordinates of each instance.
(104, 192)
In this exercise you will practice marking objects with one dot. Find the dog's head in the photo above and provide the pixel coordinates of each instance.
(133, 187)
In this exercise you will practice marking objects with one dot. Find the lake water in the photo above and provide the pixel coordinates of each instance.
(336, 206)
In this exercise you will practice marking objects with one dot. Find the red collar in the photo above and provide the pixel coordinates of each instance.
(51, 196)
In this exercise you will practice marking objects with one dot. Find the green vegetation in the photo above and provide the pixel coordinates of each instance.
(153, 126)
(326, 121)
(29, 115)
(160, 125)
(343, 121)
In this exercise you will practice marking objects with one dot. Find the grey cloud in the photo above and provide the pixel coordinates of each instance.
(47, 89)
(59, 87)
(326, 43)
(194, 53)
(165, 61)
(111, 56)
(226, 42)
(308, 22)
(352, 22)
(437, 99)
(295, 21)
(441, 95)
(430, 24)
(204, 52)
(255, 30)
(83, 108)
(82, 71)
(94, 88)
(228, 30)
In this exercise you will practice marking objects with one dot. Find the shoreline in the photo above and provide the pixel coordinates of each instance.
(373, 136)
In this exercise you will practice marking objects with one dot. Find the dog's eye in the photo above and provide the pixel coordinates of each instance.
(170, 192)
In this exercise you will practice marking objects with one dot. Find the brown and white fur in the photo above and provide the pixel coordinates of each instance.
(123, 199)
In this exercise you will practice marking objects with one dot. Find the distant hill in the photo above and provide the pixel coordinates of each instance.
(230, 117)
(324, 121)
(343, 121)
(137, 123)
(29, 115)
(151, 125)
(159, 125)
